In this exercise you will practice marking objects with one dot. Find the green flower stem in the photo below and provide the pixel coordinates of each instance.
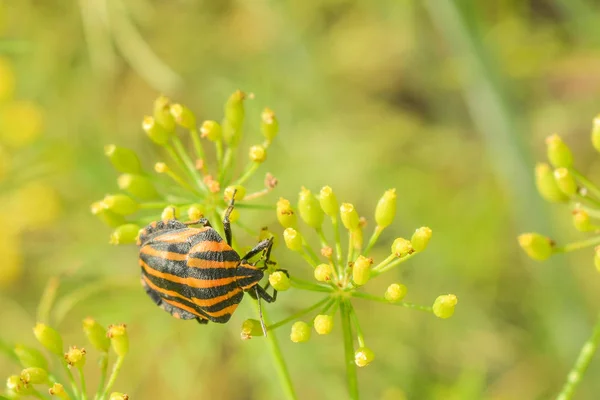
(352, 380)
(385, 268)
(578, 245)
(8, 351)
(280, 365)
(331, 303)
(154, 205)
(36, 393)
(589, 201)
(226, 165)
(83, 385)
(298, 314)
(310, 253)
(113, 377)
(583, 361)
(592, 212)
(71, 379)
(103, 371)
(385, 262)
(586, 182)
(307, 285)
(359, 333)
(47, 299)
(338, 246)
(256, 206)
(322, 237)
(350, 249)
(198, 146)
(374, 237)
(181, 182)
(366, 296)
(219, 151)
(189, 165)
(250, 170)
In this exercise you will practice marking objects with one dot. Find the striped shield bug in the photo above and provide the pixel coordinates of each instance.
(192, 273)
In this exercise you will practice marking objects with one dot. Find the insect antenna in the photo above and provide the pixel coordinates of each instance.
(260, 315)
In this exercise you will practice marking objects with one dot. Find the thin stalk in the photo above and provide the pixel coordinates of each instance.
(83, 385)
(226, 164)
(391, 265)
(374, 237)
(255, 206)
(351, 377)
(198, 147)
(309, 251)
(189, 164)
(47, 299)
(103, 371)
(590, 186)
(307, 285)
(366, 296)
(338, 245)
(282, 370)
(322, 237)
(71, 379)
(36, 393)
(578, 245)
(113, 376)
(350, 249)
(219, 151)
(359, 334)
(299, 314)
(250, 170)
(583, 361)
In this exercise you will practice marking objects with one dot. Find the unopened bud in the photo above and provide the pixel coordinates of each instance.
(138, 186)
(251, 328)
(34, 376)
(285, 213)
(257, 154)
(386, 209)
(195, 212)
(293, 239)
(310, 209)
(323, 324)
(581, 221)
(155, 131)
(300, 332)
(120, 204)
(363, 356)
(170, 212)
(118, 396)
(420, 238)
(119, 339)
(361, 270)
(211, 130)
(444, 305)
(546, 184)
(96, 334)
(323, 272)
(349, 216)
(49, 338)
(280, 281)
(328, 201)
(559, 153)
(124, 160)
(536, 246)
(30, 357)
(162, 113)
(75, 357)
(269, 125)
(240, 193)
(125, 234)
(395, 292)
(58, 390)
(183, 116)
(596, 133)
(402, 247)
(565, 181)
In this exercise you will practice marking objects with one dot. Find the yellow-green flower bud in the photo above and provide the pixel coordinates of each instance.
(119, 339)
(444, 305)
(30, 357)
(596, 133)
(402, 247)
(240, 193)
(536, 246)
(211, 130)
(328, 201)
(546, 184)
(420, 238)
(49, 338)
(559, 153)
(58, 390)
(251, 328)
(310, 209)
(124, 160)
(96, 334)
(34, 375)
(162, 113)
(170, 212)
(285, 214)
(280, 281)
(565, 181)
(327, 252)
(125, 234)
(15, 385)
(386, 209)
(161, 168)
(361, 270)
(257, 154)
(195, 212)
(293, 239)
(234, 118)
(323, 324)
(75, 357)
(323, 272)
(349, 216)
(155, 131)
(183, 116)
(300, 332)
(581, 221)
(597, 258)
(363, 356)
(138, 186)
(118, 396)
(395, 292)
(269, 125)
(357, 238)
(108, 217)
(120, 204)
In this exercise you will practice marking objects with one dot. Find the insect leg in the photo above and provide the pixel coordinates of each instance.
(226, 222)
(260, 315)
(261, 293)
(201, 221)
(265, 244)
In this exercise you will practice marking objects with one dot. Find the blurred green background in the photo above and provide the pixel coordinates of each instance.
(449, 102)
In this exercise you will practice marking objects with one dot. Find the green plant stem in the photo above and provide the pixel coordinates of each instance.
(219, 151)
(314, 259)
(583, 361)
(83, 385)
(71, 379)
(103, 371)
(374, 237)
(366, 296)
(578, 245)
(307, 285)
(350, 249)
(189, 165)
(338, 246)
(351, 377)
(381, 269)
(282, 370)
(250, 170)
(256, 206)
(322, 237)
(590, 186)
(359, 334)
(198, 146)
(36, 393)
(298, 314)
(47, 299)
(226, 164)
(113, 376)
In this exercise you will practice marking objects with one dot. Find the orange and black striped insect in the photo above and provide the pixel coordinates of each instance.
(193, 274)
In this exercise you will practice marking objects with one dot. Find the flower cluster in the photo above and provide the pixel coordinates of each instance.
(37, 374)
(26, 202)
(560, 182)
(341, 276)
(197, 184)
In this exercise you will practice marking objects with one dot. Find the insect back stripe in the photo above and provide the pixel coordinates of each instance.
(189, 286)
